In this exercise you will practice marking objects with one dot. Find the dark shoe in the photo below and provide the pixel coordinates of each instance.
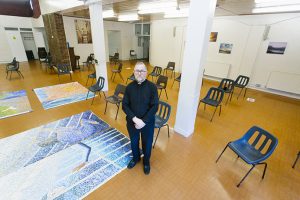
(146, 169)
(131, 164)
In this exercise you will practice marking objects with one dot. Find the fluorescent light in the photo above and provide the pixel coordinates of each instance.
(177, 13)
(128, 17)
(270, 3)
(108, 14)
(289, 8)
(151, 5)
(156, 10)
(277, 1)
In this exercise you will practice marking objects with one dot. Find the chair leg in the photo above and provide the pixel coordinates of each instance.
(227, 98)
(168, 130)
(121, 76)
(245, 92)
(71, 77)
(87, 81)
(156, 138)
(105, 107)
(117, 112)
(296, 160)
(111, 75)
(173, 83)
(159, 94)
(238, 185)
(240, 93)
(87, 95)
(265, 169)
(220, 110)
(199, 104)
(89, 151)
(93, 98)
(103, 94)
(10, 75)
(213, 114)
(166, 93)
(222, 152)
(58, 78)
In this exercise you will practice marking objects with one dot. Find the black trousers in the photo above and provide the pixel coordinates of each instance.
(146, 133)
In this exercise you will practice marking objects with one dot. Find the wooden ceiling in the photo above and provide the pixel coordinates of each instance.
(21, 8)
(224, 8)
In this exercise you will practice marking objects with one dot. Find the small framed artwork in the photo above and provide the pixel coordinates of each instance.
(213, 36)
(225, 48)
(276, 47)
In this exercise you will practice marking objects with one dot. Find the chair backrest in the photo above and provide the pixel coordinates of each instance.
(132, 53)
(162, 80)
(120, 67)
(163, 112)
(241, 81)
(157, 70)
(42, 53)
(63, 68)
(171, 65)
(226, 84)
(120, 89)
(116, 56)
(262, 140)
(100, 82)
(92, 56)
(215, 94)
(89, 59)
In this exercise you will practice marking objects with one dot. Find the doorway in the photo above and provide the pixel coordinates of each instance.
(29, 45)
(114, 42)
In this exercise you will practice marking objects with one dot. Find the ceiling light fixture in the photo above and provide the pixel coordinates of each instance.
(158, 7)
(274, 9)
(108, 14)
(128, 17)
(183, 12)
(270, 3)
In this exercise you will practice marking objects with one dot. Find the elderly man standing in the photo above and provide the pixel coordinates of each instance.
(140, 103)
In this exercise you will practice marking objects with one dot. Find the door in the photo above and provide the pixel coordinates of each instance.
(29, 44)
(16, 45)
(114, 43)
(146, 45)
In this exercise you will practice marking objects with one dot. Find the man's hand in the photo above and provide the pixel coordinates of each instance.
(138, 123)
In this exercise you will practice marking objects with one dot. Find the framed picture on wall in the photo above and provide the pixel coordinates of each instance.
(276, 47)
(213, 36)
(83, 30)
(225, 48)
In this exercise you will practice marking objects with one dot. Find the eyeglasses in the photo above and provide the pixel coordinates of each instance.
(140, 71)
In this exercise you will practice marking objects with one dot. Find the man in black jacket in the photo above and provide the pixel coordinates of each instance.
(140, 103)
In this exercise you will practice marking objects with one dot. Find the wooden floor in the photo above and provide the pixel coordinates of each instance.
(183, 168)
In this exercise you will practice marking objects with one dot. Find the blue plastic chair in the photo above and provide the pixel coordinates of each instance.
(161, 117)
(214, 98)
(253, 153)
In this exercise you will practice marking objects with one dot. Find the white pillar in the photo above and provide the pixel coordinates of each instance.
(97, 27)
(198, 30)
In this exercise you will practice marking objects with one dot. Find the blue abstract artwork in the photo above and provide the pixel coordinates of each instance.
(65, 159)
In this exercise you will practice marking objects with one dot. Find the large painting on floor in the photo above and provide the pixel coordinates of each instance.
(65, 159)
(83, 30)
(58, 95)
(13, 103)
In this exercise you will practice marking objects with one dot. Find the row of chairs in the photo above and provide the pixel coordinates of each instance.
(158, 71)
(214, 96)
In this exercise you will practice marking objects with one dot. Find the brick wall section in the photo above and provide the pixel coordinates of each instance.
(56, 38)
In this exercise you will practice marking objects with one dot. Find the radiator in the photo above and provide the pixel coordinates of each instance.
(284, 81)
(215, 69)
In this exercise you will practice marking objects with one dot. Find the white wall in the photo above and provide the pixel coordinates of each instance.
(114, 42)
(248, 54)
(7, 51)
(84, 50)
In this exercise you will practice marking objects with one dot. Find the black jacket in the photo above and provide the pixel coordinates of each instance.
(140, 100)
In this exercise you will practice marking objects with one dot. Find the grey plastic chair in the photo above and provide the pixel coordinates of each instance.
(131, 77)
(98, 87)
(241, 82)
(213, 98)
(116, 98)
(13, 67)
(161, 84)
(227, 85)
(156, 72)
(178, 79)
(91, 76)
(63, 69)
(161, 117)
(170, 67)
(117, 71)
